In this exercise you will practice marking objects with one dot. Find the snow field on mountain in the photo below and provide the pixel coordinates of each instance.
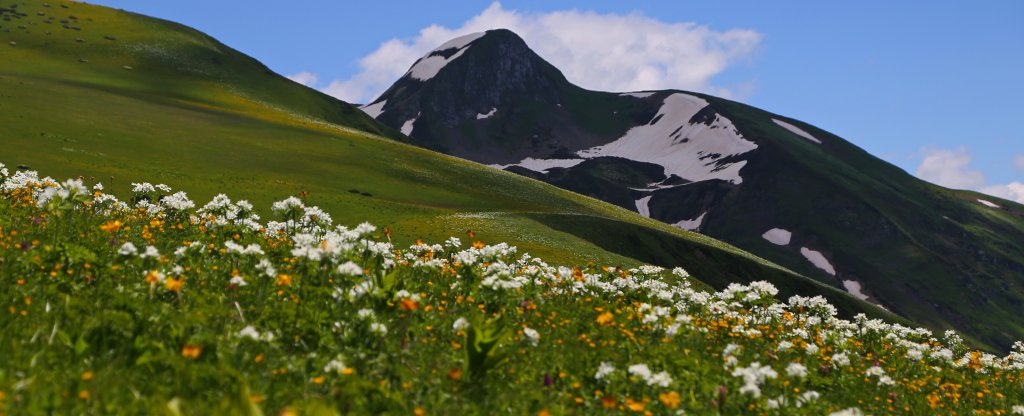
(541, 165)
(818, 259)
(796, 130)
(481, 116)
(374, 110)
(854, 288)
(642, 206)
(644, 94)
(683, 149)
(428, 67)
(407, 126)
(691, 225)
(777, 236)
(989, 204)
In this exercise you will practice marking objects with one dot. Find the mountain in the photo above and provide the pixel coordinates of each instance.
(117, 97)
(781, 188)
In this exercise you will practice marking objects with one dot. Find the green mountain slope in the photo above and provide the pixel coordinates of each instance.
(733, 172)
(198, 115)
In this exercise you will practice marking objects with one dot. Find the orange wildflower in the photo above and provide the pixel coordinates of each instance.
(635, 405)
(671, 399)
(111, 226)
(191, 351)
(408, 305)
(174, 285)
(283, 280)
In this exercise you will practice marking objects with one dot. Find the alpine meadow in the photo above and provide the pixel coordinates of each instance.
(184, 231)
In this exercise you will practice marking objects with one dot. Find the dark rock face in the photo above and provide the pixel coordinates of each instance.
(497, 69)
(527, 100)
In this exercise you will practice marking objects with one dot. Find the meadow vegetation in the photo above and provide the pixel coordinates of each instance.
(160, 305)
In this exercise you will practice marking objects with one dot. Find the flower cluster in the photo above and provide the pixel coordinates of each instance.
(298, 310)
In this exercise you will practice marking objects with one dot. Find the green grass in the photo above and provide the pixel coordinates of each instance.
(91, 326)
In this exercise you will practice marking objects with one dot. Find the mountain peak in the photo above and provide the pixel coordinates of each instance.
(508, 45)
(470, 77)
(485, 65)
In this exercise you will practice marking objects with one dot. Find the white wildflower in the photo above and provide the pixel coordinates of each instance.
(810, 396)
(840, 360)
(178, 201)
(336, 365)
(796, 370)
(288, 205)
(662, 379)
(252, 333)
(127, 249)
(365, 313)
(150, 252)
(640, 370)
(350, 269)
(143, 188)
(603, 370)
(532, 335)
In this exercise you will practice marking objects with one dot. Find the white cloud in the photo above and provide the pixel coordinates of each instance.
(607, 52)
(1018, 162)
(306, 78)
(952, 169)
(949, 168)
(1013, 191)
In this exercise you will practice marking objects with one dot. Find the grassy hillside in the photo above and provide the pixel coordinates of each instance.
(196, 114)
(170, 309)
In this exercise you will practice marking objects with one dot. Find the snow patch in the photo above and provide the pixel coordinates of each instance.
(777, 236)
(989, 204)
(541, 165)
(428, 66)
(481, 116)
(374, 110)
(690, 151)
(638, 94)
(818, 260)
(407, 127)
(796, 130)
(854, 288)
(459, 42)
(642, 206)
(691, 225)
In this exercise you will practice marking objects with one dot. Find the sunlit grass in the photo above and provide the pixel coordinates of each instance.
(163, 306)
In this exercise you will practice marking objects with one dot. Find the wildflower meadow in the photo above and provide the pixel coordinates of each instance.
(161, 305)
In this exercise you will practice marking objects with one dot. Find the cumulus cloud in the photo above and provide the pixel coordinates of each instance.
(1013, 191)
(949, 168)
(306, 78)
(952, 168)
(609, 52)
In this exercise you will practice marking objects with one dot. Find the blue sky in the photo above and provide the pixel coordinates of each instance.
(933, 87)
